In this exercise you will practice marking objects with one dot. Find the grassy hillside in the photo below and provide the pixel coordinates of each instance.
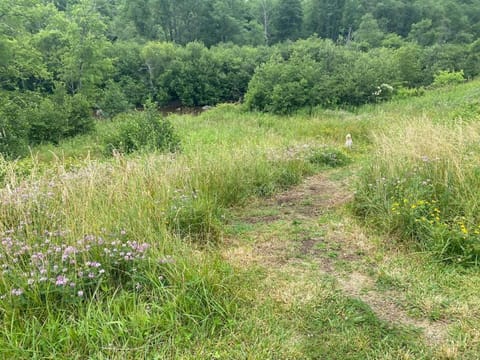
(219, 251)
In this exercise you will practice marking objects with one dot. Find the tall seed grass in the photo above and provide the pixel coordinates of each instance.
(179, 291)
(173, 294)
(423, 183)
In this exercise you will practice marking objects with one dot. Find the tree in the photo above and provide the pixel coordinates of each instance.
(162, 61)
(21, 65)
(412, 73)
(353, 11)
(369, 32)
(396, 16)
(288, 20)
(140, 13)
(423, 33)
(264, 9)
(324, 18)
(84, 61)
(472, 67)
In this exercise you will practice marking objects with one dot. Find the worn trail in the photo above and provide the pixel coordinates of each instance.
(302, 233)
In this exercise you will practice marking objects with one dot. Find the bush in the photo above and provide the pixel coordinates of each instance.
(145, 130)
(383, 92)
(47, 122)
(405, 93)
(444, 78)
(195, 75)
(14, 126)
(78, 114)
(328, 157)
(317, 72)
(114, 101)
(411, 66)
(283, 87)
(58, 117)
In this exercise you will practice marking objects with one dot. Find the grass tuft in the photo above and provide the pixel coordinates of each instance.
(422, 184)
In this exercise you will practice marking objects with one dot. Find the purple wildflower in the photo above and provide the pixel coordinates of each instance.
(61, 280)
(17, 292)
(93, 264)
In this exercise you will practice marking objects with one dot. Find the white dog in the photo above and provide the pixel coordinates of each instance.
(348, 142)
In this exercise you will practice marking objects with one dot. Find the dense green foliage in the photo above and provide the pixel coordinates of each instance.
(318, 72)
(29, 118)
(146, 131)
(63, 61)
(256, 21)
(444, 78)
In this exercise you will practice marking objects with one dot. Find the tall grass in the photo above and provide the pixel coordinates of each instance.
(125, 243)
(423, 184)
(177, 293)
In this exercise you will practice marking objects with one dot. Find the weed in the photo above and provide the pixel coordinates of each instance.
(426, 191)
(142, 131)
(328, 157)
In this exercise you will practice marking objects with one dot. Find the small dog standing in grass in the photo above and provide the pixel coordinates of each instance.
(348, 142)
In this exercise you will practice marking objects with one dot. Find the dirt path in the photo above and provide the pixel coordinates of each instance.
(303, 230)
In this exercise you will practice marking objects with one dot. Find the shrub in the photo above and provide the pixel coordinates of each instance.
(444, 78)
(321, 73)
(58, 117)
(113, 100)
(328, 157)
(13, 127)
(48, 122)
(411, 69)
(145, 130)
(283, 87)
(78, 114)
(383, 92)
(405, 93)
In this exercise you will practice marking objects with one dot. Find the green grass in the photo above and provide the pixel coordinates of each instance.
(191, 298)
(346, 328)
(423, 183)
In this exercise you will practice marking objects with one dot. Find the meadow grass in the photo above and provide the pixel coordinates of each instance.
(178, 297)
(77, 214)
(420, 190)
(423, 184)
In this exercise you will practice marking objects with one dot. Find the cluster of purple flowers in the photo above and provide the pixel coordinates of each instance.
(50, 263)
(26, 192)
(40, 191)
